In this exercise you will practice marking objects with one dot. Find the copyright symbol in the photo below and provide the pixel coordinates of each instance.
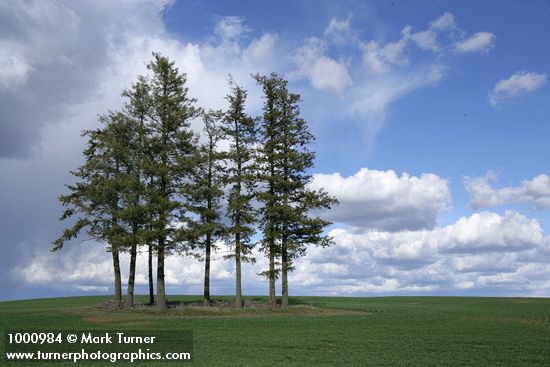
(72, 338)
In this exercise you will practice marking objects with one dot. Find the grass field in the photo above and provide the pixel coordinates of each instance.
(323, 331)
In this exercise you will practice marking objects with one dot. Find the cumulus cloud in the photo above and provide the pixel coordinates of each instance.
(261, 51)
(14, 69)
(382, 200)
(51, 56)
(80, 56)
(481, 41)
(482, 252)
(490, 232)
(483, 194)
(95, 49)
(520, 83)
(87, 267)
(496, 254)
(59, 54)
(323, 72)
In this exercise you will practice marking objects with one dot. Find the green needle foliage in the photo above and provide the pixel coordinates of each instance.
(146, 182)
(289, 226)
(103, 197)
(240, 129)
(268, 173)
(173, 148)
(137, 108)
(205, 193)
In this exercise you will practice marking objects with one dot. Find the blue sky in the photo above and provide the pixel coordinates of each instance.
(431, 120)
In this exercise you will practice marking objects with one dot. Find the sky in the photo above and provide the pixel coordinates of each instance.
(431, 120)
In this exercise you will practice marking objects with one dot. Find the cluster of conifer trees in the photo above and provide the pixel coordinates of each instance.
(148, 181)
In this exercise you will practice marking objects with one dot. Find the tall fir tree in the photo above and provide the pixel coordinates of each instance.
(299, 227)
(102, 198)
(173, 147)
(289, 224)
(268, 175)
(240, 130)
(146, 181)
(137, 108)
(205, 193)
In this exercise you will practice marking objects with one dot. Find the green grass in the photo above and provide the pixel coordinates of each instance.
(323, 331)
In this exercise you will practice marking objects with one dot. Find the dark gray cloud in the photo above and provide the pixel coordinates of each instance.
(55, 60)
(51, 56)
(63, 62)
(55, 83)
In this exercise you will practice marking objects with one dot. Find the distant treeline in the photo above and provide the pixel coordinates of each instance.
(147, 181)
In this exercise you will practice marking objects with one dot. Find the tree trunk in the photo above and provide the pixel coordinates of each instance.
(272, 249)
(151, 288)
(206, 297)
(284, 279)
(284, 234)
(272, 295)
(161, 293)
(238, 291)
(208, 244)
(116, 268)
(131, 277)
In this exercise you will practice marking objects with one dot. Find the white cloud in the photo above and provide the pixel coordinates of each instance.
(426, 40)
(372, 97)
(381, 59)
(339, 31)
(490, 232)
(324, 73)
(88, 267)
(47, 44)
(14, 68)
(384, 58)
(96, 49)
(520, 83)
(392, 70)
(483, 252)
(384, 201)
(388, 71)
(535, 192)
(444, 22)
(120, 42)
(231, 28)
(481, 41)
(262, 50)
(85, 265)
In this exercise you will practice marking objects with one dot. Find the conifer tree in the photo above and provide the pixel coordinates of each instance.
(239, 129)
(137, 108)
(289, 225)
(299, 228)
(99, 197)
(204, 195)
(268, 175)
(173, 147)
